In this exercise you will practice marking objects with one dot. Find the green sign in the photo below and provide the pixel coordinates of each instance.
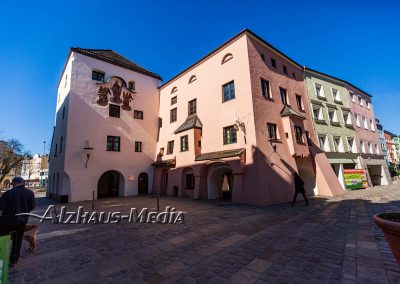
(4, 255)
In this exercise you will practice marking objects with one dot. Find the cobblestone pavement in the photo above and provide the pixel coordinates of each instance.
(331, 241)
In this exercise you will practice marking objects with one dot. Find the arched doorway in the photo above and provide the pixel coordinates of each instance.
(220, 182)
(110, 184)
(143, 181)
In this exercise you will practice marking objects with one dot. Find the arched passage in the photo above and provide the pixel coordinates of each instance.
(143, 184)
(220, 182)
(111, 184)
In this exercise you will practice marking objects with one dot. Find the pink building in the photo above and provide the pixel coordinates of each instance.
(236, 124)
(371, 157)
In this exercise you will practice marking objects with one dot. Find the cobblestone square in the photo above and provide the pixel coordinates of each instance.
(331, 241)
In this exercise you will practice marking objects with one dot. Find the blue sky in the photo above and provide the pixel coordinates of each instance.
(358, 41)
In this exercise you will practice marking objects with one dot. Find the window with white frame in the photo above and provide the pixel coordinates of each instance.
(332, 115)
(352, 145)
(338, 144)
(319, 90)
(357, 119)
(362, 146)
(347, 118)
(377, 149)
(336, 95)
(371, 122)
(370, 148)
(365, 122)
(368, 105)
(324, 143)
(318, 112)
(353, 97)
(360, 100)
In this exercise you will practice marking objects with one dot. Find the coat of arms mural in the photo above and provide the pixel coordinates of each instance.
(112, 90)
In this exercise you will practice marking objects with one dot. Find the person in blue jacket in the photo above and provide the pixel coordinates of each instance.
(14, 201)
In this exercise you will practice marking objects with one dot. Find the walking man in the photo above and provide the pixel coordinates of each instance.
(14, 201)
(299, 188)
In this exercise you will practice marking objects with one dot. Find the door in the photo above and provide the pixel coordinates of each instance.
(143, 184)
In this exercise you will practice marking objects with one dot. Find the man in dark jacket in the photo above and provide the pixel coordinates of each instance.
(299, 188)
(14, 201)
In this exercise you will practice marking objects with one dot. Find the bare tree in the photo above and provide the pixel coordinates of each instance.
(11, 156)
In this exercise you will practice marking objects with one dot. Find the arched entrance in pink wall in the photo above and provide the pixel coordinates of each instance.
(217, 180)
(111, 184)
(143, 183)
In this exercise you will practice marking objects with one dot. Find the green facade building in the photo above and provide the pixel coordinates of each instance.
(332, 120)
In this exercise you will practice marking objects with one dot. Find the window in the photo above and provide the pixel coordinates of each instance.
(63, 114)
(360, 100)
(377, 149)
(262, 57)
(138, 146)
(362, 146)
(61, 144)
(357, 119)
(113, 143)
(353, 98)
(283, 93)
(265, 89)
(318, 113)
(66, 79)
(174, 89)
(294, 75)
(192, 105)
(192, 79)
(319, 90)
(226, 58)
(371, 122)
(369, 105)
(138, 114)
(229, 135)
(174, 100)
(284, 69)
(347, 118)
(299, 102)
(273, 62)
(172, 115)
(131, 85)
(299, 134)
(228, 91)
(365, 122)
(323, 143)
(352, 145)
(272, 133)
(190, 181)
(370, 148)
(184, 143)
(337, 142)
(332, 115)
(98, 76)
(114, 110)
(55, 151)
(336, 95)
(170, 147)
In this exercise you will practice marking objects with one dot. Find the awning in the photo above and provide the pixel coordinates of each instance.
(220, 154)
(165, 164)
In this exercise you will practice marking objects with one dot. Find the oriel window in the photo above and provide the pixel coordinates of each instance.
(184, 143)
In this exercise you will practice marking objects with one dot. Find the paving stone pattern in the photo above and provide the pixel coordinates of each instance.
(331, 241)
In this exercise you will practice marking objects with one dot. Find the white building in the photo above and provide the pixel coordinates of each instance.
(106, 127)
(35, 170)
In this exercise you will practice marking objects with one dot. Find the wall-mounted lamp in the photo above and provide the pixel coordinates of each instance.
(87, 149)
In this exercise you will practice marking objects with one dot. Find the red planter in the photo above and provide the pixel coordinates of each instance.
(390, 225)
